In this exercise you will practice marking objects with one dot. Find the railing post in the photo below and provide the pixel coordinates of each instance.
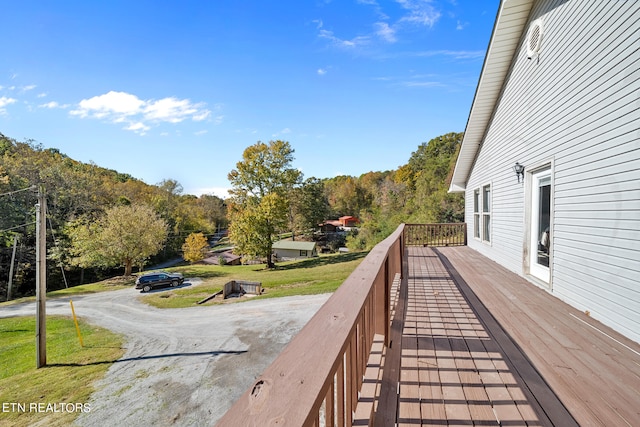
(465, 234)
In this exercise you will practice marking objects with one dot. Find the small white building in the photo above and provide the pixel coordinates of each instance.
(558, 101)
(290, 250)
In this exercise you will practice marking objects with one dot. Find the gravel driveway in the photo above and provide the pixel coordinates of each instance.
(182, 367)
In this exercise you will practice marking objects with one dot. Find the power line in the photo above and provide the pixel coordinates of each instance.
(17, 226)
(33, 187)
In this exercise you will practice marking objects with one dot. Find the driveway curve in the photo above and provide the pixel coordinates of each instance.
(182, 367)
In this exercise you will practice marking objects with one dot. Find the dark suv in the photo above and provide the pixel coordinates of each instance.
(157, 280)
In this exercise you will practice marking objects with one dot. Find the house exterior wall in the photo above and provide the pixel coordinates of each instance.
(293, 253)
(577, 108)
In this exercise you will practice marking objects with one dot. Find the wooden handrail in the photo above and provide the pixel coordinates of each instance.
(450, 234)
(318, 375)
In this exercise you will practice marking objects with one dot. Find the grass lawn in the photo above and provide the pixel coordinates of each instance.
(68, 377)
(311, 276)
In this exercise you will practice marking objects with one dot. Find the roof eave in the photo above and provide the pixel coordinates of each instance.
(507, 31)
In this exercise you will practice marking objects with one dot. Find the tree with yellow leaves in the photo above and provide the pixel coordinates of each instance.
(195, 247)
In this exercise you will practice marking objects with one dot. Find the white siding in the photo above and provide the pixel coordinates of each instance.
(577, 105)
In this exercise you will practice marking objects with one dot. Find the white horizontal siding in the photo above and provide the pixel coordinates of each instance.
(577, 105)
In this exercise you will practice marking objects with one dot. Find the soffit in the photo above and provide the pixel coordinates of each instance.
(510, 21)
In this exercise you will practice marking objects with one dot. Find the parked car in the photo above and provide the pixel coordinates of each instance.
(149, 281)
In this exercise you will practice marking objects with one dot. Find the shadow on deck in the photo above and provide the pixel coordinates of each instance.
(426, 336)
(482, 346)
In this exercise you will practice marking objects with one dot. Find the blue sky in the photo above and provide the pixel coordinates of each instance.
(177, 90)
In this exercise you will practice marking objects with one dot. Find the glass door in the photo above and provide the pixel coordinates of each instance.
(540, 238)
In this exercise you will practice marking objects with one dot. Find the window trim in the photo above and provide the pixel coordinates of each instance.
(480, 215)
(476, 213)
(486, 214)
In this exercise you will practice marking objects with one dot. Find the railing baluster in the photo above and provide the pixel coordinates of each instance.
(350, 382)
(436, 234)
(329, 408)
(341, 393)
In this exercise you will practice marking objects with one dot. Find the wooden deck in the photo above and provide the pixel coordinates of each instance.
(482, 346)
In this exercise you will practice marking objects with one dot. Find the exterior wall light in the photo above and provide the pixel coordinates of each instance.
(519, 170)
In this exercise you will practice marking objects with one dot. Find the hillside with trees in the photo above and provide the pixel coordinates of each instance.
(82, 202)
(416, 192)
(91, 207)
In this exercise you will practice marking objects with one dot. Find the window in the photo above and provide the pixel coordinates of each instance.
(476, 213)
(486, 213)
(303, 253)
(482, 213)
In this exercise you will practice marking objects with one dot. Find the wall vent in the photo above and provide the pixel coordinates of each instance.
(534, 38)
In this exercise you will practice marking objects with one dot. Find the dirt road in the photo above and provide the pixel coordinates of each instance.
(182, 367)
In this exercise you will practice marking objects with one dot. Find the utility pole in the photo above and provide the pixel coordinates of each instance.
(13, 260)
(41, 279)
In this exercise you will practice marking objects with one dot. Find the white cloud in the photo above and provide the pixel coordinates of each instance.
(384, 31)
(461, 25)
(28, 88)
(284, 131)
(42, 95)
(412, 13)
(139, 128)
(422, 84)
(200, 132)
(53, 104)
(354, 42)
(321, 71)
(420, 12)
(173, 110)
(116, 104)
(202, 116)
(4, 101)
(122, 107)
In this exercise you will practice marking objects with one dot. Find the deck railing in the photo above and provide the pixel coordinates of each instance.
(453, 234)
(316, 379)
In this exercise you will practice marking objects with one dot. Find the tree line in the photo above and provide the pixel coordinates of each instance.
(269, 196)
(89, 207)
(84, 201)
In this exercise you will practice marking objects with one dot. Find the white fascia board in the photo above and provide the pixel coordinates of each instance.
(508, 28)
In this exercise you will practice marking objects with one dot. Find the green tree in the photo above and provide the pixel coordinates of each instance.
(125, 236)
(347, 196)
(432, 165)
(195, 247)
(309, 206)
(261, 185)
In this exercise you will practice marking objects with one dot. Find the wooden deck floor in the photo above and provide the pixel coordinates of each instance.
(482, 346)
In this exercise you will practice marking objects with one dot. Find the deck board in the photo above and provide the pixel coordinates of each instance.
(481, 346)
(597, 378)
(462, 378)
